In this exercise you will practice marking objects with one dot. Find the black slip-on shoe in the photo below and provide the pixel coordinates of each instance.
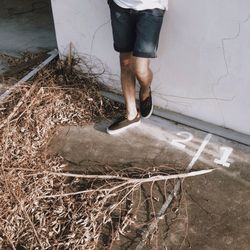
(146, 106)
(122, 124)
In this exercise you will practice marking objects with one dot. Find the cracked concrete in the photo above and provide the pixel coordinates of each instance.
(213, 212)
(223, 41)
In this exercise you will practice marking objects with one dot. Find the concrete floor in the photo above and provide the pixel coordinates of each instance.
(26, 26)
(214, 210)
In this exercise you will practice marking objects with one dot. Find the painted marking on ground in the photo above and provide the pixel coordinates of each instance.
(179, 143)
(226, 152)
(216, 154)
(198, 153)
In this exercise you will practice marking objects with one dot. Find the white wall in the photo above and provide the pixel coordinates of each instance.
(203, 68)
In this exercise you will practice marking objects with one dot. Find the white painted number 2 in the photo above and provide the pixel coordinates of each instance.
(226, 152)
(179, 142)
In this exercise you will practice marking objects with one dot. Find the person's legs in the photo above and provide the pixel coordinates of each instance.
(148, 27)
(128, 84)
(134, 68)
(144, 75)
(136, 35)
(133, 118)
(123, 28)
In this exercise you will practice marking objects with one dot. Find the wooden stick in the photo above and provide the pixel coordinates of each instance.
(128, 181)
(131, 180)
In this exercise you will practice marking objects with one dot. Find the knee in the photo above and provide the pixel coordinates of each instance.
(126, 64)
(140, 71)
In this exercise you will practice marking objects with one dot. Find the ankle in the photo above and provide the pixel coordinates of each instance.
(132, 115)
(145, 88)
(144, 92)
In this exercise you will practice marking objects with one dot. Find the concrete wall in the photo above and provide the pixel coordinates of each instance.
(203, 69)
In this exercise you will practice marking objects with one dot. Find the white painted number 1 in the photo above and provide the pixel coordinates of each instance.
(226, 152)
(179, 142)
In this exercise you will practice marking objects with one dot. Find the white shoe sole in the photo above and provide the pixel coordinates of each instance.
(118, 131)
(150, 113)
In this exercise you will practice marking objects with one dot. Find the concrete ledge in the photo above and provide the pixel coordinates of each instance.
(190, 121)
(52, 55)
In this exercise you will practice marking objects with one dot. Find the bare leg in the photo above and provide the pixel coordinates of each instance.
(143, 74)
(128, 84)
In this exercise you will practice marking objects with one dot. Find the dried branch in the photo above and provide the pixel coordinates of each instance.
(134, 180)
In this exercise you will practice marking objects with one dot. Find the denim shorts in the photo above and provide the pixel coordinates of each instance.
(136, 31)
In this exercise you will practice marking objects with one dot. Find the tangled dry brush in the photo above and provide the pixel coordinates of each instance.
(39, 207)
(29, 219)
